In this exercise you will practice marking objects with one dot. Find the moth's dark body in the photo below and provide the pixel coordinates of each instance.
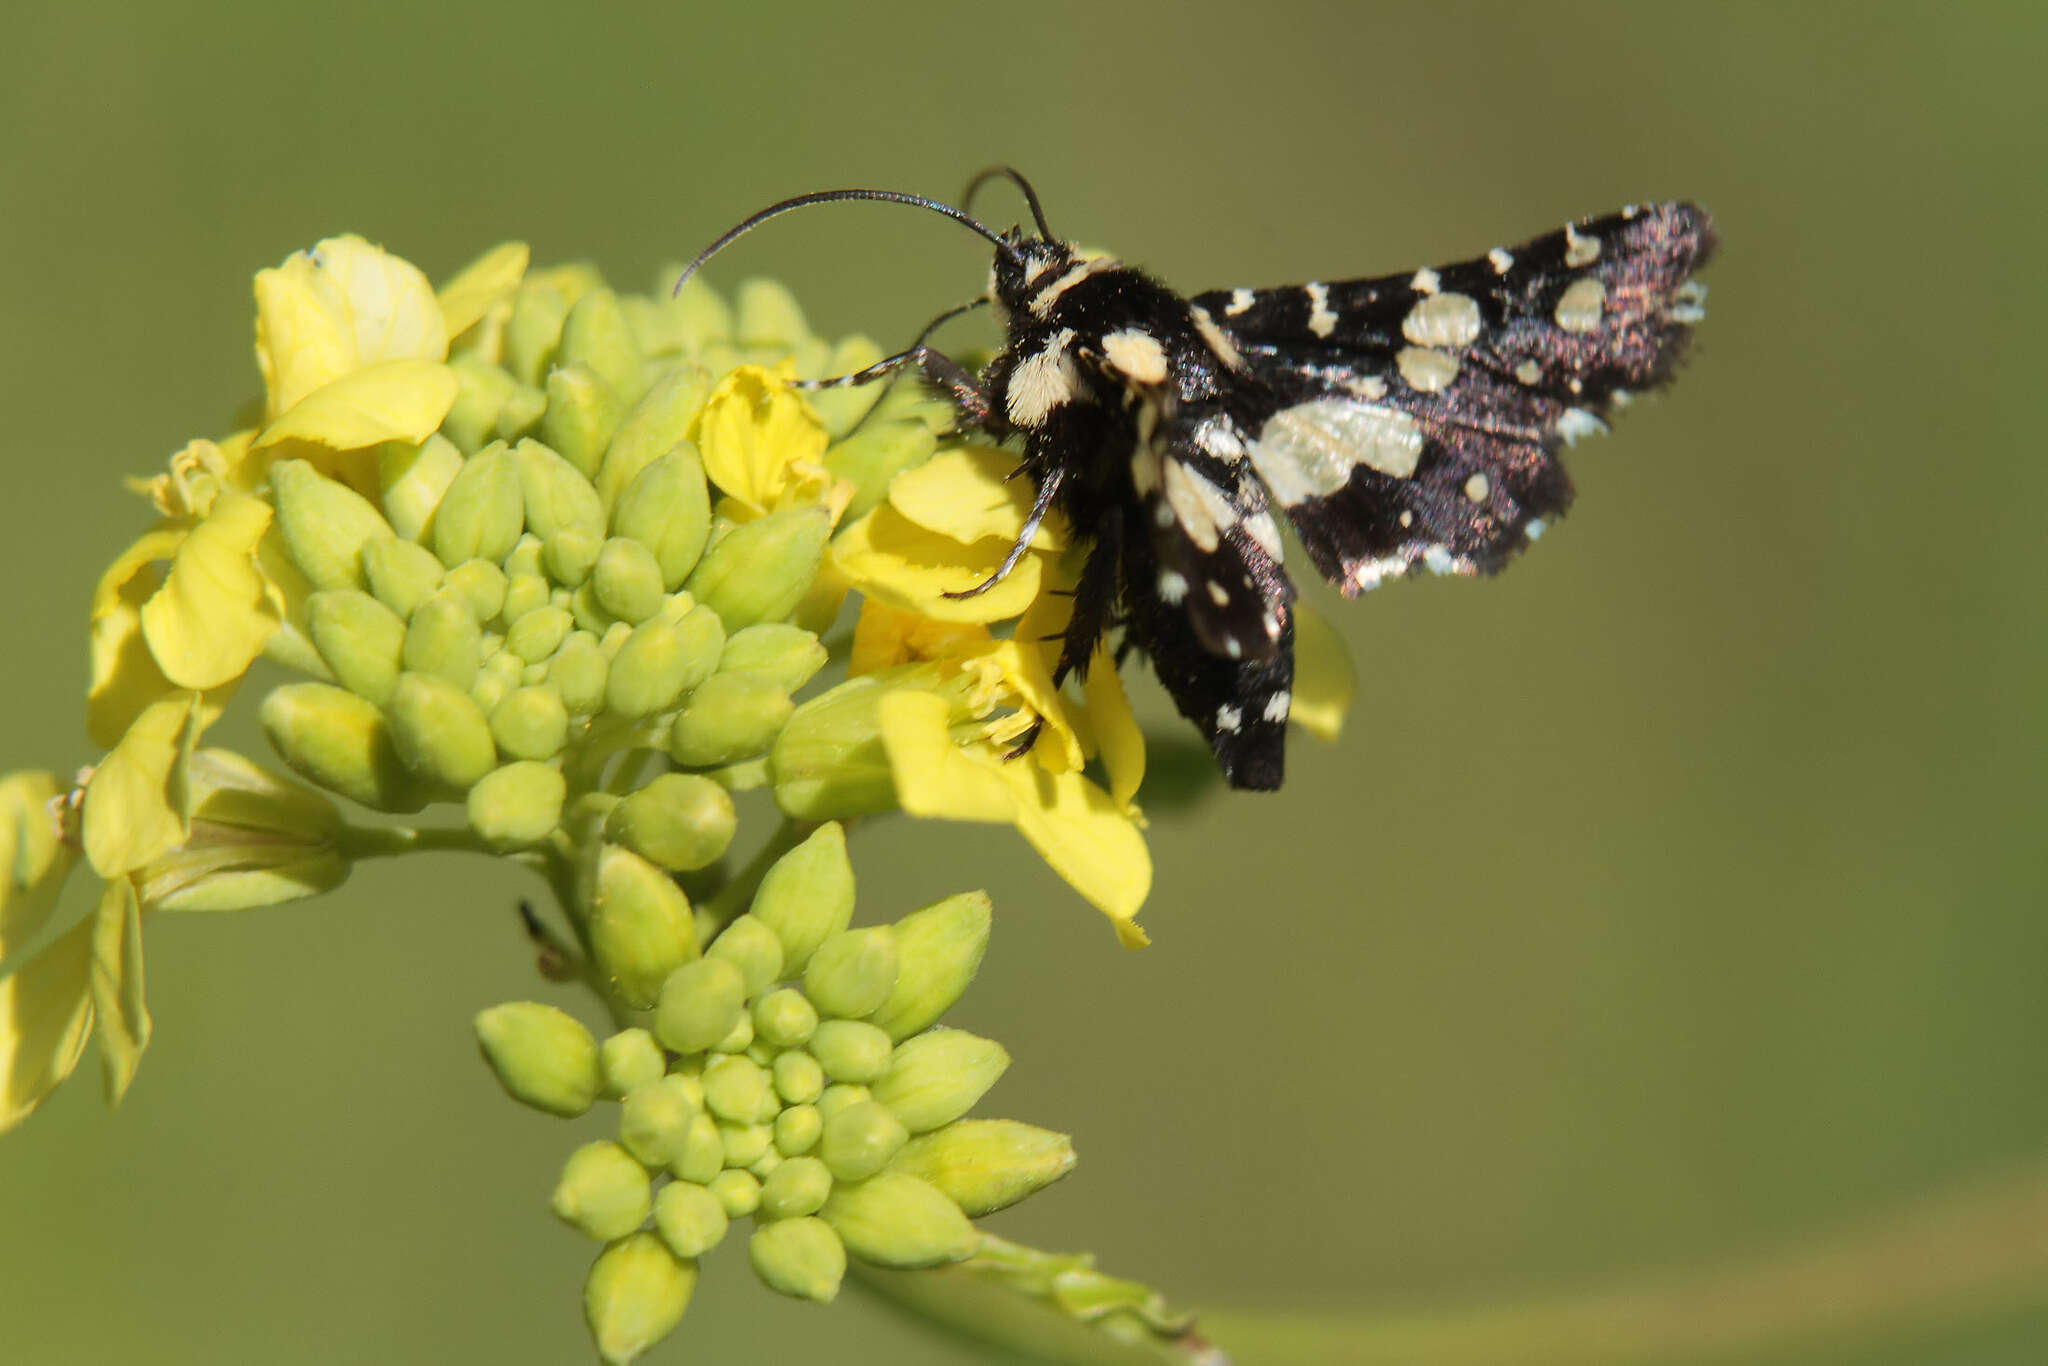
(1411, 419)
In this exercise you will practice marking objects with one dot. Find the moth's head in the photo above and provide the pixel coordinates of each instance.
(1026, 265)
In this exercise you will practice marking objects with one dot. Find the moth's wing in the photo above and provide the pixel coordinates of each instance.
(1416, 419)
(1206, 597)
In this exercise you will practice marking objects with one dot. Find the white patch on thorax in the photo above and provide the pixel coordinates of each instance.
(1241, 301)
(1201, 508)
(1443, 320)
(1577, 423)
(1137, 353)
(1578, 308)
(1265, 533)
(1321, 320)
(1426, 369)
(1425, 281)
(1042, 302)
(1043, 381)
(1278, 704)
(1579, 251)
(1309, 450)
(1501, 259)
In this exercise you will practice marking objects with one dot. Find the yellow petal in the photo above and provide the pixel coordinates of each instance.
(34, 860)
(117, 986)
(394, 400)
(1085, 836)
(1018, 674)
(752, 430)
(885, 636)
(1324, 679)
(209, 621)
(481, 284)
(330, 311)
(125, 676)
(888, 556)
(1117, 737)
(966, 493)
(45, 1014)
(935, 778)
(131, 802)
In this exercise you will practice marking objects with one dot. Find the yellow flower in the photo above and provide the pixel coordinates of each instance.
(764, 448)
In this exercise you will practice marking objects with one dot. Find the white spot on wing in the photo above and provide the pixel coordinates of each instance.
(1137, 353)
(1277, 705)
(1265, 533)
(1579, 251)
(1578, 308)
(1427, 369)
(1309, 450)
(1321, 320)
(1217, 436)
(1219, 595)
(1534, 528)
(1198, 505)
(1443, 320)
(1042, 381)
(1477, 487)
(1576, 423)
(1688, 303)
(1425, 281)
(1501, 259)
(1217, 340)
(1528, 371)
(1228, 717)
(1241, 300)
(1173, 587)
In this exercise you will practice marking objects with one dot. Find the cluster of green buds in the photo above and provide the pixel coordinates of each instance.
(793, 1073)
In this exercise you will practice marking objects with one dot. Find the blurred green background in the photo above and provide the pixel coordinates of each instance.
(1672, 900)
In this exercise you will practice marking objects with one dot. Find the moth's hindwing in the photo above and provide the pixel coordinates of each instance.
(1415, 418)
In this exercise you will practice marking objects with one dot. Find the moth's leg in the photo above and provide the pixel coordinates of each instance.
(1040, 505)
(940, 370)
(1094, 601)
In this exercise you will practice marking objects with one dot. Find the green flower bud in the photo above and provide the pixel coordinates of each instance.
(698, 1005)
(324, 524)
(679, 820)
(640, 929)
(876, 454)
(543, 1056)
(768, 315)
(443, 639)
(807, 896)
(651, 429)
(939, 950)
(689, 1218)
(530, 723)
(538, 634)
(730, 716)
(850, 1050)
(439, 731)
(524, 593)
(799, 1079)
(859, 1139)
(894, 1219)
(481, 390)
(399, 573)
(703, 1152)
(523, 558)
(627, 580)
(595, 334)
(496, 680)
(480, 585)
(786, 655)
(784, 1018)
(797, 1128)
(516, 806)
(603, 1192)
(762, 570)
(589, 612)
(612, 638)
(572, 553)
(632, 1058)
(555, 494)
(737, 1192)
(828, 762)
(582, 411)
(359, 638)
(797, 1187)
(984, 1165)
(853, 972)
(800, 1257)
(698, 316)
(739, 1038)
(840, 1097)
(839, 409)
(753, 948)
(341, 742)
(739, 1090)
(635, 1296)
(667, 508)
(937, 1077)
(533, 330)
(661, 661)
(745, 1143)
(484, 510)
(578, 672)
(654, 1120)
(521, 413)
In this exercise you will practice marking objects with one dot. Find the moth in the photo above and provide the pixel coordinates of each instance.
(1395, 422)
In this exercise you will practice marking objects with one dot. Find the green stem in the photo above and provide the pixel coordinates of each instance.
(726, 905)
(389, 841)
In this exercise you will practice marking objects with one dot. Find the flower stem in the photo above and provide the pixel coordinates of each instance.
(389, 841)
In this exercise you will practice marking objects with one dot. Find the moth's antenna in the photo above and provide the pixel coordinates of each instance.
(747, 225)
(1015, 177)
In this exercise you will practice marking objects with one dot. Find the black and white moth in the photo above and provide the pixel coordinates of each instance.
(1404, 420)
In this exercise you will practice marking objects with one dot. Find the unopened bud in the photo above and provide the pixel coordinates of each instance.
(631, 1058)
(729, 717)
(745, 1143)
(484, 510)
(784, 1018)
(877, 453)
(578, 672)
(894, 1219)
(762, 570)
(640, 928)
(517, 806)
(753, 948)
(799, 1079)
(399, 573)
(667, 508)
(698, 1005)
(738, 1090)
(807, 896)
(739, 1038)
(480, 585)
(581, 414)
(324, 524)
(654, 1120)
(572, 553)
(443, 640)
(651, 429)
(737, 1192)
(800, 1257)
(439, 731)
(525, 592)
(519, 416)
(543, 1057)
(602, 1191)
(595, 334)
(984, 1165)
(938, 951)
(767, 314)
(797, 1128)
(689, 1218)
(496, 679)
(359, 638)
(679, 821)
(534, 330)
(481, 390)
(936, 1077)
(784, 654)
(530, 723)
(661, 660)
(828, 761)
(340, 741)
(635, 1296)
(703, 1152)
(858, 1140)
(627, 580)
(853, 972)
(850, 1050)
(538, 634)
(798, 1186)
(556, 495)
